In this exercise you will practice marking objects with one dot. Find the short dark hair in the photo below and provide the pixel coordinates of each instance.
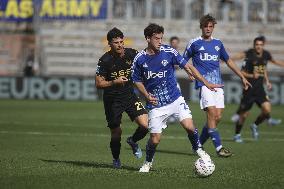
(174, 38)
(114, 33)
(152, 29)
(204, 20)
(259, 38)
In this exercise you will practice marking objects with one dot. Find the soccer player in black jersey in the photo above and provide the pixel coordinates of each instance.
(113, 75)
(254, 69)
(240, 56)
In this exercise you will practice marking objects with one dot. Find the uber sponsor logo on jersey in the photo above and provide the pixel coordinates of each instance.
(153, 75)
(208, 57)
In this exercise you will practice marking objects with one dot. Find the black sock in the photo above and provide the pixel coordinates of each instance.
(261, 118)
(238, 128)
(115, 148)
(150, 151)
(139, 134)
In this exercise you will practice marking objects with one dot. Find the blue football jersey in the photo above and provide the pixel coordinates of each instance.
(206, 57)
(157, 72)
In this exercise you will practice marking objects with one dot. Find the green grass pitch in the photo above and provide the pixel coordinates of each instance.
(59, 144)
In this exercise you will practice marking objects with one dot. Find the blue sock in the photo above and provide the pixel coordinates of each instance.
(194, 139)
(214, 134)
(204, 134)
(150, 151)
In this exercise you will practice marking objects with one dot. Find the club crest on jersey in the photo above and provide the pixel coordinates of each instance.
(164, 62)
(217, 48)
(128, 62)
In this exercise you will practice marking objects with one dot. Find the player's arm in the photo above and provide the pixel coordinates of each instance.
(190, 74)
(238, 56)
(102, 83)
(148, 96)
(266, 80)
(235, 69)
(247, 75)
(277, 62)
(191, 70)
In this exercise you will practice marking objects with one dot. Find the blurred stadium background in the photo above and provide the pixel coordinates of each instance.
(63, 40)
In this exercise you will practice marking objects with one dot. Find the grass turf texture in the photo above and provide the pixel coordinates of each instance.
(57, 144)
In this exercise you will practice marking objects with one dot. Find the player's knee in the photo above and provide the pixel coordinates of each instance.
(218, 118)
(113, 126)
(143, 125)
(266, 110)
(116, 133)
(246, 114)
(142, 121)
(155, 139)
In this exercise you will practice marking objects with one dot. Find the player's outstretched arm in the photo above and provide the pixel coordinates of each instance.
(102, 83)
(235, 69)
(191, 70)
(148, 96)
(238, 56)
(278, 62)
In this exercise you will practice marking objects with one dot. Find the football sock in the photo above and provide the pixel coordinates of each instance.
(194, 139)
(238, 128)
(150, 151)
(115, 148)
(139, 134)
(261, 118)
(204, 134)
(214, 134)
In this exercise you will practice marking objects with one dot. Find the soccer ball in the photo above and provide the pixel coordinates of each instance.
(204, 168)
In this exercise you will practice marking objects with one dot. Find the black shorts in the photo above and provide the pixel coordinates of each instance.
(115, 107)
(253, 95)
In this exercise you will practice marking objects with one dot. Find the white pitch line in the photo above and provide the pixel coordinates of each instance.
(72, 124)
(106, 135)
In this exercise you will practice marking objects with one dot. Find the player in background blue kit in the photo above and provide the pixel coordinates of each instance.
(153, 75)
(206, 53)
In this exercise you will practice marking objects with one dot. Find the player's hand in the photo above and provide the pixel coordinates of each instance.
(246, 84)
(269, 86)
(121, 80)
(213, 87)
(191, 78)
(152, 99)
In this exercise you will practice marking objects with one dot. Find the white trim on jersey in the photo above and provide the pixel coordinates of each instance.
(192, 41)
(139, 54)
(169, 49)
(216, 39)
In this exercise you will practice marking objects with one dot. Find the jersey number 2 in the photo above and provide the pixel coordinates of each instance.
(139, 106)
(184, 106)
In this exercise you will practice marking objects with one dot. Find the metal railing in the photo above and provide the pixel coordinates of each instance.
(243, 11)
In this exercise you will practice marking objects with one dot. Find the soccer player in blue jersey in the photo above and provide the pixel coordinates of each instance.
(153, 75)
(206, 53)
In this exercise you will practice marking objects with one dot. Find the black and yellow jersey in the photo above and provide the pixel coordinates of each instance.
(111, 67)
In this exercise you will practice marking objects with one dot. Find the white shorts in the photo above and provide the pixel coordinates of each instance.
(211, 98)
(158, 117)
